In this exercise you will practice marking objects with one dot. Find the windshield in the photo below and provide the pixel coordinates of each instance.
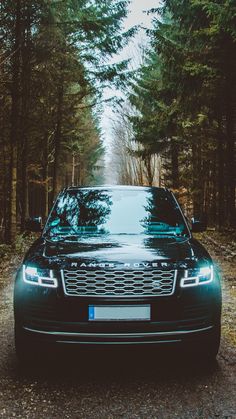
(119, 211)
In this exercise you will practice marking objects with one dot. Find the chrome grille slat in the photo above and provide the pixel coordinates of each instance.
(128, 283)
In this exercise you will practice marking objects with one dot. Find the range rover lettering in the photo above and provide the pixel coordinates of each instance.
(117, 265)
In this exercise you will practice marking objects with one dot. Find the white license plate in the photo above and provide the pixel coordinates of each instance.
(125, 313)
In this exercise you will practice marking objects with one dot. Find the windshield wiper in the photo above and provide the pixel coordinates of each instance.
(166, 233)
(56, 234)
(62, 235)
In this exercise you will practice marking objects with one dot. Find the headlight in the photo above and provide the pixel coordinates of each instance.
(40, 277)
(198, 276)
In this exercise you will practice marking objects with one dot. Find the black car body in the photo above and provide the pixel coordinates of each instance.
(117, 265)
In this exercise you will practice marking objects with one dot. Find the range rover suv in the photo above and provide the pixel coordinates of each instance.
(117, 265)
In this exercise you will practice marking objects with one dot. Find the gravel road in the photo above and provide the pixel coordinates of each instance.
(119, 383)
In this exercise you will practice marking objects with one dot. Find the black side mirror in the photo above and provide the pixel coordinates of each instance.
(34, 224)
(198, 226)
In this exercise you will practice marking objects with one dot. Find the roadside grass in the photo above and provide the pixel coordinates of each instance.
(11, 256)
(222, 247)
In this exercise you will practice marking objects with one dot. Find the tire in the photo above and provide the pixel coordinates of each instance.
(27, 352)
(204, 350)
(31, 353)
(207, 349)
(211, 349)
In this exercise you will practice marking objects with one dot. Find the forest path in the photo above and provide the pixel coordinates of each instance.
(120, 384)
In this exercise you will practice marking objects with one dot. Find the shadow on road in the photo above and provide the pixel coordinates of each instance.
(121, 364)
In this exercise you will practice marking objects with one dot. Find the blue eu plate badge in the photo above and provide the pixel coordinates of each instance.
(91, 312)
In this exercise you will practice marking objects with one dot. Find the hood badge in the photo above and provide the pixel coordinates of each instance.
(122, 265)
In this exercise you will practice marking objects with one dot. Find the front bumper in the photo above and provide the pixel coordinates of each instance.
(145, 338)
(48, 316)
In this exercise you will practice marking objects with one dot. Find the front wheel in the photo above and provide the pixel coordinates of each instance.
(28, 352)
(24, 351)
(211, 348)
(206, 350)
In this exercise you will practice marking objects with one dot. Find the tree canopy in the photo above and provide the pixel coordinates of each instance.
(184, 101)
(54, 63)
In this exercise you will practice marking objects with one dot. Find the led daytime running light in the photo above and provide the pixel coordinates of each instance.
(37, 279)
(204, 276)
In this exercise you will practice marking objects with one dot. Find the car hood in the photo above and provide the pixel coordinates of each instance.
(130, 251)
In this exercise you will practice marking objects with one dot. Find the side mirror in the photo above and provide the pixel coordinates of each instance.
(34, 224)
(198, 226)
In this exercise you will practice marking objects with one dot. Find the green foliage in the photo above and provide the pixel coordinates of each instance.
(54, 64)
(184, 99)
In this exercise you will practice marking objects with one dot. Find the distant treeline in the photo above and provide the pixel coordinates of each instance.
(53, 66)
(184, 104)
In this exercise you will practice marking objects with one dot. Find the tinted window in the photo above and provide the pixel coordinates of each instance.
(117, 211)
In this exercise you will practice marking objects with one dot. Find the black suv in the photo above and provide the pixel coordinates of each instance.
(117, 265)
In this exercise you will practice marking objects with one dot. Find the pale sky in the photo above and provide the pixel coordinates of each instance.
(136, 16)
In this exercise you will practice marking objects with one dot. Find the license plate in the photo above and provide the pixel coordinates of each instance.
(115, 313)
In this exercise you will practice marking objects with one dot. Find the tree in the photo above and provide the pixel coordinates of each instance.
(184, 98)
(55, 65)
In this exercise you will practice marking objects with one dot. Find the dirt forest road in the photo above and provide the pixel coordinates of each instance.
(120, 384)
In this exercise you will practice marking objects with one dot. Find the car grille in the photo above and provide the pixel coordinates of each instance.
(120, 283)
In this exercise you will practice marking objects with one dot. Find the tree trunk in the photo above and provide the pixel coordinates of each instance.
(149, 169)
(73, 170)
(57, 140)
(45, 173)
(14, 132)
(174, 163)
(230, 148)
(197, 210)
(221, 178)
(26, 88)
(6, 167)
